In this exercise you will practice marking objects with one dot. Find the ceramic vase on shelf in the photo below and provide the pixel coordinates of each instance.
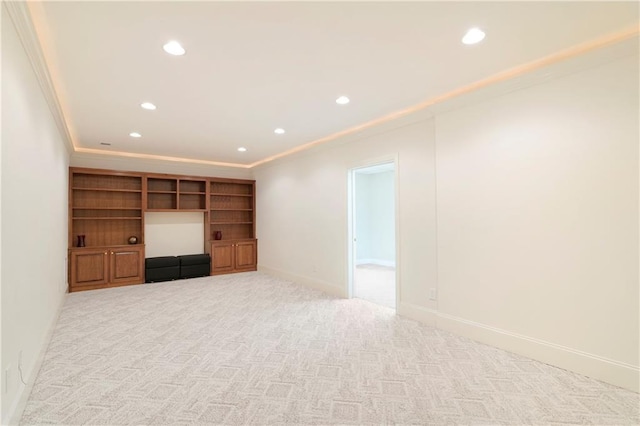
(81, 241)
(217, 235)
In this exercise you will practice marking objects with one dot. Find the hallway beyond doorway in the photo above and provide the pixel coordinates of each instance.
(376, 284)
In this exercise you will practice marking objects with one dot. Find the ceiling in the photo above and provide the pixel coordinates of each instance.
(253, 67)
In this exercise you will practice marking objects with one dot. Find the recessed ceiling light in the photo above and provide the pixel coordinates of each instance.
(279, 131)
(148, 105)
(242, 149)
(473, 36)
(174, 48)
(342, 100)
(135, 135)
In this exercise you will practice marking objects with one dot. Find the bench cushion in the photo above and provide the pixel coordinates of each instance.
(195, 259)
(161, 262)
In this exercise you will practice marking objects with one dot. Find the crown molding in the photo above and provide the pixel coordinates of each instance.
(20, 15)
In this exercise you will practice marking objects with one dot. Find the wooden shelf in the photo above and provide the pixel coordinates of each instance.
(231, 223)
(221, 194)
(175, 210)
(106, 189)
(231, 210)
(192, 193)
(107, 218)
(161, 192)
(107, 208)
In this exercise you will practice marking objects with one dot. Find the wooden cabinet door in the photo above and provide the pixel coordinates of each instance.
(127, 265)
(88, 268)
(246, 256)
(222, 257)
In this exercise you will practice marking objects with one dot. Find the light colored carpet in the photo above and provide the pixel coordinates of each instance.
(252, 349)
(375, 283)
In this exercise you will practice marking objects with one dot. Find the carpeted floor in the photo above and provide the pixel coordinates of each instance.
(375, 283)
(252, 349)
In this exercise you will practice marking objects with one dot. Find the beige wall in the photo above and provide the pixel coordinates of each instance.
(97, 161)
(34, 219)
(538, 213)
(535, 219)
(173, 233)
(302, 210)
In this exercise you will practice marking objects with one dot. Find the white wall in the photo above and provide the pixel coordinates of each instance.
(302, 209)
(537, 218)
(34, 218)
(97, 161)
(173, 233)
(375, 218)
(538, 212)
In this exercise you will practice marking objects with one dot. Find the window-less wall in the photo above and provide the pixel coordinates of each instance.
(537, 218)
(173, 233)
(34, 219)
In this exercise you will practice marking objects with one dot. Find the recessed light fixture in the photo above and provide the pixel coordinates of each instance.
(135, 135)
(278, 131)
(105, 144)
(342, 100)
(174, 48)
(148, 105)
(473, 36)
(242, 149)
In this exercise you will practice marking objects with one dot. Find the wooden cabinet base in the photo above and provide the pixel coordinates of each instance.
(99, 286)
(103, 267)
(231, 256)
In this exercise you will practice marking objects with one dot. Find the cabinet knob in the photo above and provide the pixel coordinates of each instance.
(105, 253)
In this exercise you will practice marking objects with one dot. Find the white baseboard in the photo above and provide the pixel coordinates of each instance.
(418, 313)
(14, 414)
(607, 370)
(306, 281)
(381, 262)
(611, 371)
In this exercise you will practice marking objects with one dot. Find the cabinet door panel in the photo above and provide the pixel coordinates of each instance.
(126, 265)
(222, 257)
(246, 255)
(88, 268)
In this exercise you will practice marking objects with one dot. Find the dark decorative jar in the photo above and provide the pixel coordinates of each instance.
(217, 235)
(81, 241)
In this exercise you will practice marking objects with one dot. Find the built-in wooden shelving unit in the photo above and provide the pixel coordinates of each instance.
(107, 207)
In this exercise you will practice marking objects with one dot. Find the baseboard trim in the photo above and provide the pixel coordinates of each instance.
(608, 370)
(418, 313)
(306, 281)
(381, 262)
(17, 408)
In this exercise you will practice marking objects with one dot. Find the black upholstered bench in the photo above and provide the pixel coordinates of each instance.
(165, 268)
(195, 265)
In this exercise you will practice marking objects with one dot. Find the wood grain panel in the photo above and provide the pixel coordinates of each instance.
(222, 255)
(88, 268)
(126, 265)
(246, 258)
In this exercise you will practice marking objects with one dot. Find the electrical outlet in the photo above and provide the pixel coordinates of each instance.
(433, 294)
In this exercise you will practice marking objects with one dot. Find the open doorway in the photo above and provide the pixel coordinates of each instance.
(372, 253)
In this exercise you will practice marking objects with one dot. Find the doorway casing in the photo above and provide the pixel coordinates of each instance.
(351, 219)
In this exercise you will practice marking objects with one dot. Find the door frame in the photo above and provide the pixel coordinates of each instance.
(351, 219)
